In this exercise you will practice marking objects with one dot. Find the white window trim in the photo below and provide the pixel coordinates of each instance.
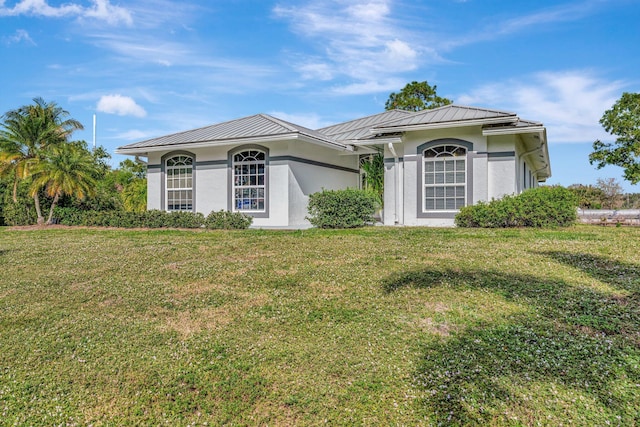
(442, 159)
(263, 213)
(167, 190)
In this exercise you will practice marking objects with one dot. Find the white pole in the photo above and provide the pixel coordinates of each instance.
(94, 132)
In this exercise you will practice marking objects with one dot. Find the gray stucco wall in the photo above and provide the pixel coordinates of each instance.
(491, 173)
(295, 170)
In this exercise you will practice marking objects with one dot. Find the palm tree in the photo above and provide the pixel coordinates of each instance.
(134, 195)
(373, 168)
(26, 134)
(67, 168)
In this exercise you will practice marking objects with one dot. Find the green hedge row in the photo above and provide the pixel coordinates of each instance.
(348, 208)
(538, 207)
(153, 219)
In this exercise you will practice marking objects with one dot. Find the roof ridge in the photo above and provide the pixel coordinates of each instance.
(530, 121)
(477, 108)
(365, 117)
(293, 127)
(182, 132)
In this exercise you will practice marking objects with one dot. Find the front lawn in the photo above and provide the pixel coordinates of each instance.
(378, 326)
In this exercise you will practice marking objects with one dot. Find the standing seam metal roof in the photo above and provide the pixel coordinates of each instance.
(447, 114)
(361, 128)
(259, 125)
(264, 126)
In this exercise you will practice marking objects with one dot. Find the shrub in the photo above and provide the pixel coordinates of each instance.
(69, 215)
(152, 219)
(23, 210)
(348, 208)
(539, 207)
(20, 213)
(226, 220)
(146, 219)
(182, 219)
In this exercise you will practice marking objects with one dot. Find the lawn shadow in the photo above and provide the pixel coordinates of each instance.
(580, 339)
(613, 272)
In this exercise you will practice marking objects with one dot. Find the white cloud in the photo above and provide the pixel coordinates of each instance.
(134, 135)
(105, 11)
(569, 103)
(316, 71)
(143, 48)
(499, 28)
(397, 51)
(358, 40)
(120, 105)
(370, 86)
(40, 8)
(101, 10)
(19, 36)
(308, 120)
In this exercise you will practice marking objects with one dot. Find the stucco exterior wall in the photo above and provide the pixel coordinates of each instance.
(153, 189)
(295, 170)
(491, 173)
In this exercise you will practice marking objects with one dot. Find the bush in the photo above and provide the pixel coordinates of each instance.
(22, 211)
(152, 219)
(539, 207)
(146, 219)
(226, 220)
(348, 208)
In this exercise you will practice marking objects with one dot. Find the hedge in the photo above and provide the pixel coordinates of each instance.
(152, 219)
(538, 207)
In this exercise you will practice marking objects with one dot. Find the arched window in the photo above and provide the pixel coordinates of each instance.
(179, 184)
(249, 183)
(444, 177)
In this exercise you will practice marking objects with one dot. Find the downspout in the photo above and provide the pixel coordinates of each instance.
(535, 173)
(530, 152)
(396, 176)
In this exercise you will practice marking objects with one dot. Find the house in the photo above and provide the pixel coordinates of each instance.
(436, 161)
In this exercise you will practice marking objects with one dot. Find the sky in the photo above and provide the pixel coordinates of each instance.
(147, 68)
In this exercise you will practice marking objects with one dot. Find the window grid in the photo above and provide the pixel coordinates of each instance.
(444, 178)
(179, 182)
(249, 181)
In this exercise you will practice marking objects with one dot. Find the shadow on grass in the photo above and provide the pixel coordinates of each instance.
(579, 339)
(615, 273)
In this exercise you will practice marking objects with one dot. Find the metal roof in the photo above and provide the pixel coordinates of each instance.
(448, 114)
(257, 126)
(361, 128)
(369, 130)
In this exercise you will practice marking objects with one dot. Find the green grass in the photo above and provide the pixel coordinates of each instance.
(378, 326)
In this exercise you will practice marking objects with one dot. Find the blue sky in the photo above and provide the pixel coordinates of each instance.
(152, 67)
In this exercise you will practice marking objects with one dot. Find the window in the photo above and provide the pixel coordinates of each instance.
(249, 186)
(444, 177)
(179, 176)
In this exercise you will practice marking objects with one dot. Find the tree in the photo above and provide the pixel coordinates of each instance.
(588, 196)
(612, 192)
(26, 134)
(416, 96)
(622, 120)
(134, 195)
(66, 168)
(373, 168)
